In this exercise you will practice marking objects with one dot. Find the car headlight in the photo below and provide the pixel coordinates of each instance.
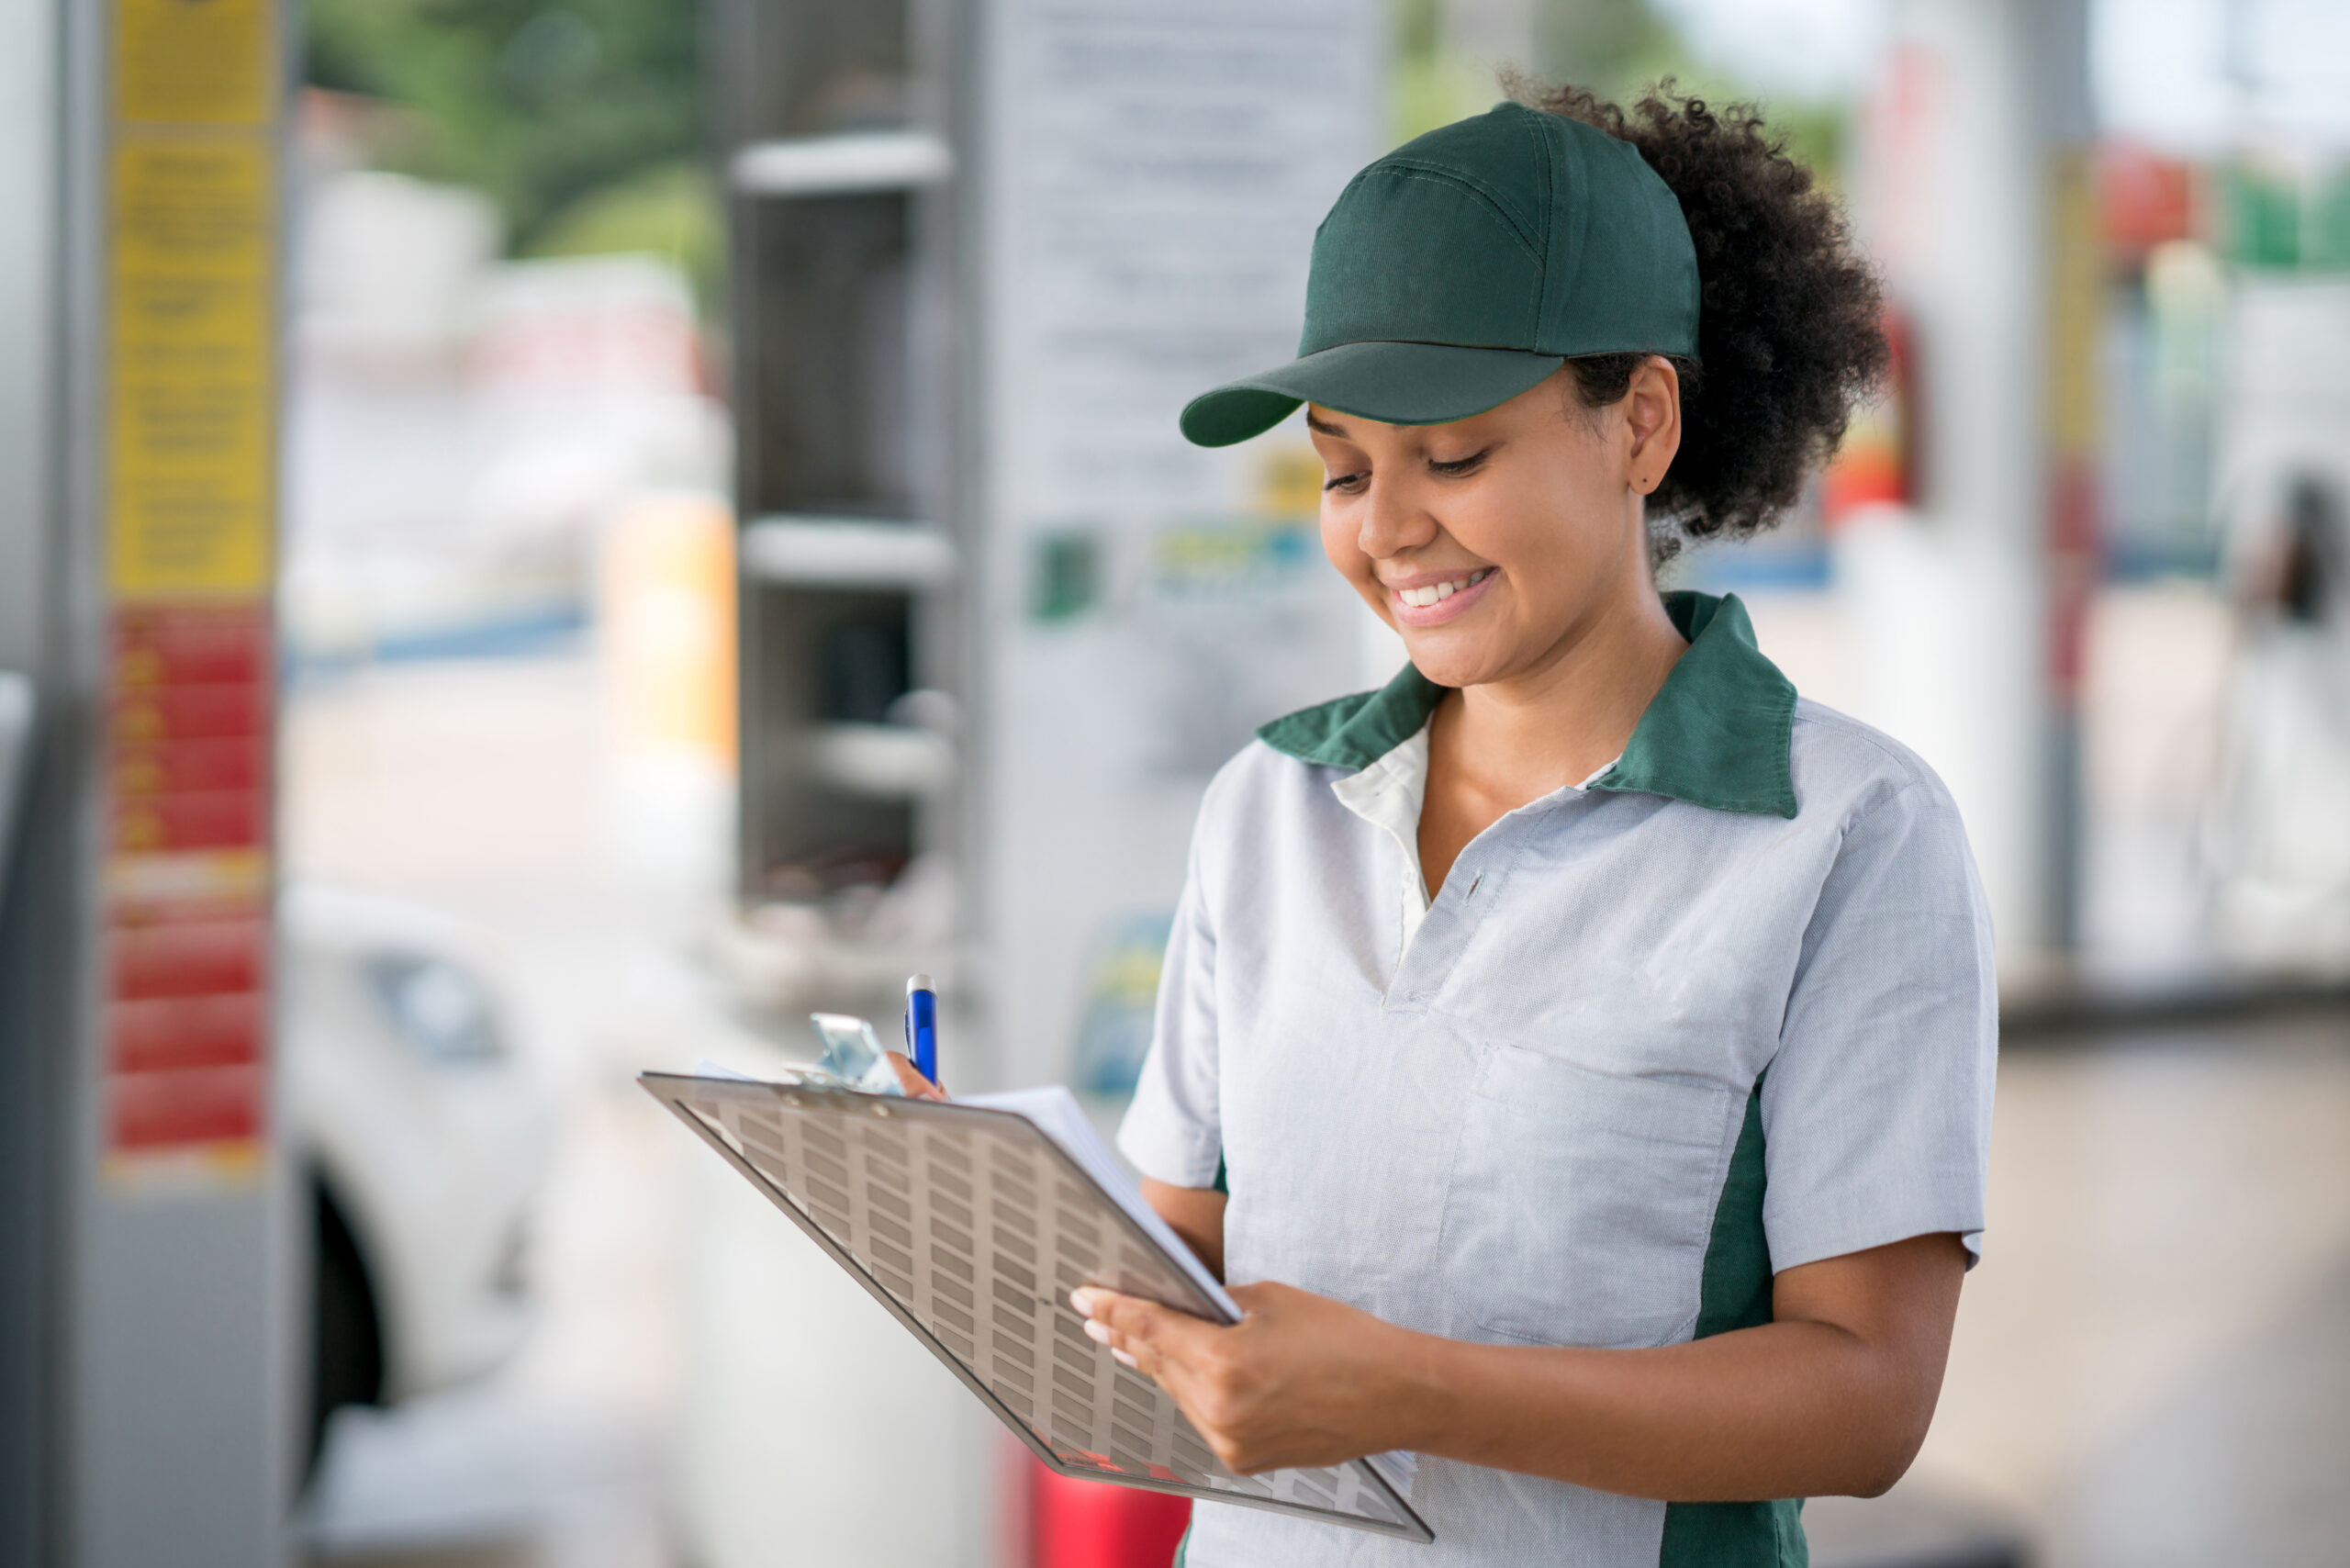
(444, 1012)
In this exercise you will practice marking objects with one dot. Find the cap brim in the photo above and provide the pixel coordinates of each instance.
(1396, 383)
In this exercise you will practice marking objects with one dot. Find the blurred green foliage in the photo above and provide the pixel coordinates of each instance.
(671, 210)
(582, 120)
(1617, 48)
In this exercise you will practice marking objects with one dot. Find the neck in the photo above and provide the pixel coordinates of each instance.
(1572, 712)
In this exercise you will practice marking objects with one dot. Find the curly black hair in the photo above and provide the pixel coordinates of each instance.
(1790, 329)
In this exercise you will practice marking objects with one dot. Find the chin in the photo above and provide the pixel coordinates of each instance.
(1447, 666)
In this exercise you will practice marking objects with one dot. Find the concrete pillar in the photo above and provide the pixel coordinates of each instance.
(1955, 622)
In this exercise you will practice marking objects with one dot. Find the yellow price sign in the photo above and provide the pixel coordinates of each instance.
(191, 359)
(195, 62)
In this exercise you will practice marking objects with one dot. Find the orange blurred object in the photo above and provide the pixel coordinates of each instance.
(1084, 1524)
(668, 626)
(1877, 462)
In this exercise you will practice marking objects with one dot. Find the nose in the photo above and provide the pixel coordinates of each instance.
(1394, 520)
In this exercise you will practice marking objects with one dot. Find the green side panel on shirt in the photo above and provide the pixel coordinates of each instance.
(1736, 1294)
(1222, 1177)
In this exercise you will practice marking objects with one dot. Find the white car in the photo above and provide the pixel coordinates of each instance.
(422, 1139)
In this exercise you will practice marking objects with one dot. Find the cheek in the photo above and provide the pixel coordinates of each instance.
(1538, 523)
(1511, 520)
(1341, 542)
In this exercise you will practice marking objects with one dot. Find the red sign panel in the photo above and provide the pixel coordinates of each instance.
(175, 1034)
(188, 912)
(154, 1112)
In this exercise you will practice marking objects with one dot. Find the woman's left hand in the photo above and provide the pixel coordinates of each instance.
(1299, 1380)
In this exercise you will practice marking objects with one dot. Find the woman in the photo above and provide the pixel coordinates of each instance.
(1578, 1053)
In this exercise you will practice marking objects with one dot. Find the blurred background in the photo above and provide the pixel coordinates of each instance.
(732, 549)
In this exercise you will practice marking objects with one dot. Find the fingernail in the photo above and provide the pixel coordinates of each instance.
(1095, 1332)
(1124, 1359)
(1082, 1300)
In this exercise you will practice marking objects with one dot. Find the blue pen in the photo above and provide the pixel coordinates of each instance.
(922, 1026)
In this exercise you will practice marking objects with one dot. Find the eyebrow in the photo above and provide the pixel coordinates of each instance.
(1327, 427)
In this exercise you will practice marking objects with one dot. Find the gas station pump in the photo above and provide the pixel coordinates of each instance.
(148, 1337)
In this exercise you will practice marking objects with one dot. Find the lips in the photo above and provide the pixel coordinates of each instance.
(1434, 604)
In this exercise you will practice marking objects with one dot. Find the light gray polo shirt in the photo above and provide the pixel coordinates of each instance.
(1724, 1008)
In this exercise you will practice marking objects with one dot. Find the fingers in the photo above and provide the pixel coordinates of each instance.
(1142, 1333)
(1298, 1381)
(1118, 1351)
(1204, 1366)
(910, 1078)
(1117, 1321)
(1184, 1355)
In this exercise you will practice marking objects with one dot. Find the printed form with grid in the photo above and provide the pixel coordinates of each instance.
(970, 1222)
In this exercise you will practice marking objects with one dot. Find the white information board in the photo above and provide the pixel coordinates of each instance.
(1152, 178)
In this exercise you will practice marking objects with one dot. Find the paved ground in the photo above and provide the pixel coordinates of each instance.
(2150, 1367)
(479, 787)
(2150, 1362)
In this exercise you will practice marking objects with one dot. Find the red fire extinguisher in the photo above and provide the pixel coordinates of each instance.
(1085, 1524)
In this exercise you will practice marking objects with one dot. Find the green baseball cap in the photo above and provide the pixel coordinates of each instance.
(1467, 265)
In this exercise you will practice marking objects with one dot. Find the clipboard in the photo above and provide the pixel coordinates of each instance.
(971, 1227)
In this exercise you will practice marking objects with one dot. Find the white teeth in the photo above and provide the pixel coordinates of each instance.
(1436, 593)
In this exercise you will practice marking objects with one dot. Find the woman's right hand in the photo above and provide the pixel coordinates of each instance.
(911, 1080)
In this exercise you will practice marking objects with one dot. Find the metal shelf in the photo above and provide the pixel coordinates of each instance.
(846, 553)
(885, 761)
(846, 165)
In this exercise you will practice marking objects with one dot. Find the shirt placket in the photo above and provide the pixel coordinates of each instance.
(1473, 889)
(1470, 892)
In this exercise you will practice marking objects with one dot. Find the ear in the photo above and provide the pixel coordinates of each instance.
(1653, 418)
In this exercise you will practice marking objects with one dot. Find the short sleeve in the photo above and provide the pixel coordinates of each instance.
(1876, 1111)
(1173, 1132)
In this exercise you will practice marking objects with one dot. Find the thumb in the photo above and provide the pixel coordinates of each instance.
(1258, 1299)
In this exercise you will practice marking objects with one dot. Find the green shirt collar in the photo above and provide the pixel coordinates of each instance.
(1719, 732)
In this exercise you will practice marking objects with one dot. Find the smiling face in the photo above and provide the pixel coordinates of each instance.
(1494, 543)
